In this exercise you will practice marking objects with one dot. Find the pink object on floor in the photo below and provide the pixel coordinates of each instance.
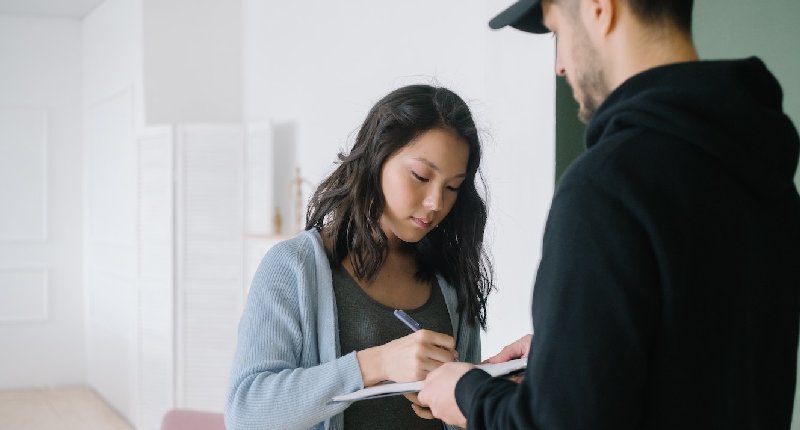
(186, 419)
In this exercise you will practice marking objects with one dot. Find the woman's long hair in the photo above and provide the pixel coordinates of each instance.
(348, 204)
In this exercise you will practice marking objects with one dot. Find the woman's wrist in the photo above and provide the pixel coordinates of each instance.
(370, 363)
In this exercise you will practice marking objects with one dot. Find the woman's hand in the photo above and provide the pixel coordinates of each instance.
(421, 410)
(406, 359)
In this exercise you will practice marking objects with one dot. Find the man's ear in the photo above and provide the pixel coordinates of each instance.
(601, 16)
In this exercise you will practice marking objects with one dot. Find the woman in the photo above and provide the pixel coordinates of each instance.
(398, 225)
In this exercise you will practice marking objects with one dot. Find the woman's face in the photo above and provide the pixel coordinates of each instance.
(420, 184)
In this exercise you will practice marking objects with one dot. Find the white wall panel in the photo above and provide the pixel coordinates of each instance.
(111, 169)
(23, 174)
(112, 302)
(209, 260)
(111, 49)
(23, 296)
(112, 111)
(210, 319)
(155, 190)
(258, 199)
(41, 292)
(156, 304)
(211, 214)
(112, 363)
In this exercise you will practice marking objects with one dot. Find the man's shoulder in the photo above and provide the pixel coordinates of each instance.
(634, 160)
(631, 149)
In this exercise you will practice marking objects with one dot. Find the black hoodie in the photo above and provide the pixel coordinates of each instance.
(668, 292)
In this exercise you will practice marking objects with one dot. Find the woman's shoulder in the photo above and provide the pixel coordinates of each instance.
(304, 248)
(289, 261)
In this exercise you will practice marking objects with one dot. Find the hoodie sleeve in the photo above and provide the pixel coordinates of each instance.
(594, 308)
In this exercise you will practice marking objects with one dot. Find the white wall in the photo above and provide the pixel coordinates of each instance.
(520, 168)
(315, 68)
(41, 294)
(111, 97)
(192, 57)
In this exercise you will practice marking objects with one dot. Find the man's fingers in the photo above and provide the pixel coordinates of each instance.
(518, 349)
(501, 357)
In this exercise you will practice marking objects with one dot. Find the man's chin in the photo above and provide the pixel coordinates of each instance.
(586, 111)
(585, 116)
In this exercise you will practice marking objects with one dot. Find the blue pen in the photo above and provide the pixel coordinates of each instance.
(407, 320)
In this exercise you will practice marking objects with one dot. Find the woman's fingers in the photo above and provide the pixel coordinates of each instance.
(411, 357)
(413, 398)
(436, 346)
(437, 354)
(438, 339)
(422, 411)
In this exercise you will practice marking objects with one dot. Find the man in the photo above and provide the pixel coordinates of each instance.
(668, 292)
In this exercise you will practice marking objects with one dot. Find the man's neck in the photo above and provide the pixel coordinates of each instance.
(642, 49)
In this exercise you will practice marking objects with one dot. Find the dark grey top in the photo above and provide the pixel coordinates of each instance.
(364, 323)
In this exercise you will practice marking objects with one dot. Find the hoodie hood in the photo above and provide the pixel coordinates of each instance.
(730, 109)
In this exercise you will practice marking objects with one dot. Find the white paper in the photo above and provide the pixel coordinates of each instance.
(395, 388)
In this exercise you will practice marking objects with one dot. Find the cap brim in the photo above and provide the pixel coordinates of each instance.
(524, 15)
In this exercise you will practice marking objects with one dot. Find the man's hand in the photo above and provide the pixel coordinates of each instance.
(438, 392)
(518, 349)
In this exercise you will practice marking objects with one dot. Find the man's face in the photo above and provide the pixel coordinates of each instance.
(576, 58)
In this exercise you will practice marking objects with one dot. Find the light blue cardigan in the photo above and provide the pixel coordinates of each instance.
(287, 364)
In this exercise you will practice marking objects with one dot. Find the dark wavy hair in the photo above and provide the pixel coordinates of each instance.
(348, 204)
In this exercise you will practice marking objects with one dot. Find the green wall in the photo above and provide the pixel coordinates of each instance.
(722, 29)
(569, 129)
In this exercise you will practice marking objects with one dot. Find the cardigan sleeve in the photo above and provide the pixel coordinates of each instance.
(272, 384)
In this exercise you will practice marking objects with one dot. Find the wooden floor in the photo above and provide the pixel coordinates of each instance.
(67, 408)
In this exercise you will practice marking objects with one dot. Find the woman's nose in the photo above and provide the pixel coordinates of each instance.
(433, 200)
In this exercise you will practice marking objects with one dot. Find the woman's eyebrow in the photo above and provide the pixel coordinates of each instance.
(433, 166)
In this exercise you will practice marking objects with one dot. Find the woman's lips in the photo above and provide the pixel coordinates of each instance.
(421, 223)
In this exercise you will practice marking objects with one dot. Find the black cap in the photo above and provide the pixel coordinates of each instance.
(525, 15)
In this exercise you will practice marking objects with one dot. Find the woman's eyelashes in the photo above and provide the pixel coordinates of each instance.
(424, 179)
(419, 177)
